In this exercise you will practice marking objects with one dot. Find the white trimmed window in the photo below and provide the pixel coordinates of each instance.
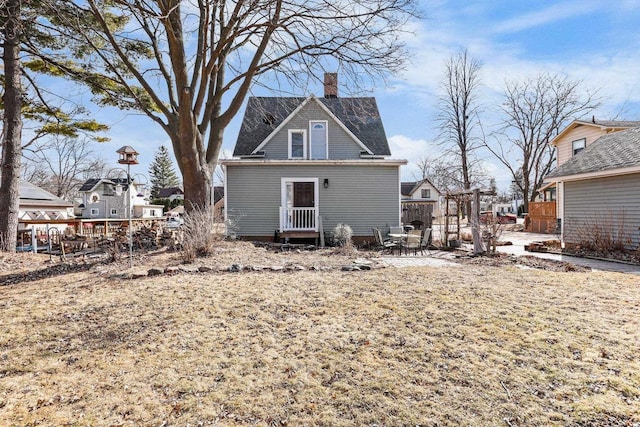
(578, 145)
(94, 212)
(114, 211)
(297, 144)
(425, 193)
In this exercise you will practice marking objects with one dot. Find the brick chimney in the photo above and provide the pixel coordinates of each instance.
(330, 85)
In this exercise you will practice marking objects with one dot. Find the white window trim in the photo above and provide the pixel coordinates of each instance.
(95, 212)
(283, 190)
(304, 143)
(326, 136)
(113, 212)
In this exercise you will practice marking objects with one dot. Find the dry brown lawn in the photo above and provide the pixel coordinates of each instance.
(472, 345)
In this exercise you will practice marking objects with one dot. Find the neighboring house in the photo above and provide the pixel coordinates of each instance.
(545, 214)
(306, 164)
(40, 211)
(580, 134)
(40, 206)
(598, 190)
(104, 198)
(420, 202)
(503, 208)
(171, 193)
(218, 202)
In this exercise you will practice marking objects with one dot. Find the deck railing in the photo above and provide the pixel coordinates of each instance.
(298, 219)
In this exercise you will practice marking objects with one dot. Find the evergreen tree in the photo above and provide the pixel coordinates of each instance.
(162, 172)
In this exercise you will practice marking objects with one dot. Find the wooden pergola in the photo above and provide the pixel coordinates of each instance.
(460, 197)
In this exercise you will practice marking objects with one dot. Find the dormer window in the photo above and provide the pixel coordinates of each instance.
(297, 144)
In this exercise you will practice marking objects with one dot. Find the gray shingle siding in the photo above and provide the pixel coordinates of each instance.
(605, 205)
(360, 196)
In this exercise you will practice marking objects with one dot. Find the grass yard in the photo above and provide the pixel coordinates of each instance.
(469, 345)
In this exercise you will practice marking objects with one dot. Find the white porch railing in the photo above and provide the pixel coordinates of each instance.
(298, 219)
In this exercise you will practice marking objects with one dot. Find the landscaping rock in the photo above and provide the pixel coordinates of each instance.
(155, 271)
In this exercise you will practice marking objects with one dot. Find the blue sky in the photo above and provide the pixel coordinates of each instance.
(592, 40)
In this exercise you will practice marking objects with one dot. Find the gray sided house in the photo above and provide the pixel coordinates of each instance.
(599, 190)
(304, 165)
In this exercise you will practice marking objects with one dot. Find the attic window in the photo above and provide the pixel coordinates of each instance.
(268, 119)
(578, 145)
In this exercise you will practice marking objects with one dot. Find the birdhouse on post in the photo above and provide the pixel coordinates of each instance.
(128, 156)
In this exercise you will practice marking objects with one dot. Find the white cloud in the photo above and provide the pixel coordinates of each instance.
(553, 13)
(413, 150)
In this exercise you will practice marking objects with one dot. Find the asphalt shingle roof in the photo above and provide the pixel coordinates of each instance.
(32, 194)
(165, 193)
(264, 114)
(617, 123)
(406, 188)
(92, 182)
(612, 151)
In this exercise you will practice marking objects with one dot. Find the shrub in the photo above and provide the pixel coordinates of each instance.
(601, 232)
(341, 235)
(199, 233)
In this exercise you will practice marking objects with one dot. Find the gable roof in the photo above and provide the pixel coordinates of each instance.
(265, 115)
(408, 188)
(92, 183)
(613, 151)
(31, 194)
(608, 125)
(164, 193)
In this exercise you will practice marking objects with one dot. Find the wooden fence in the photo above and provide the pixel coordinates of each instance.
(418, 214)
(542, 217)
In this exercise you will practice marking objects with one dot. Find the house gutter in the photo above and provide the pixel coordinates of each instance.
(593, 175)
(358, 162)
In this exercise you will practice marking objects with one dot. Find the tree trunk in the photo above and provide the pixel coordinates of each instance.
(478, 246)
(12, 143)
(198, 187)
(197, 173)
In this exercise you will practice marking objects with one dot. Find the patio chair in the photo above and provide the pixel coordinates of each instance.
(384, 244)
(414, 241)
(426, 239)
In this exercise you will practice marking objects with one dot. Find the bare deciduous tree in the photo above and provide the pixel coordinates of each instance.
(458, 115)
(189, 66)
(535, 110)
(445, 172)
(61, 165)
